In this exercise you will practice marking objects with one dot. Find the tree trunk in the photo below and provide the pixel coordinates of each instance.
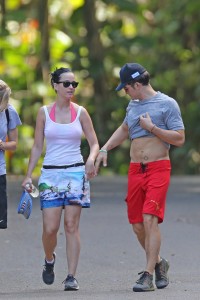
(44, 27)
(96, 68)
(41, 9)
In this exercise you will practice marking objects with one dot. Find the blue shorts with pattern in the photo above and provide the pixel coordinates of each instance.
(63, 187)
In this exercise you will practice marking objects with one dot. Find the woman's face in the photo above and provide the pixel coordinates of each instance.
(62, 88)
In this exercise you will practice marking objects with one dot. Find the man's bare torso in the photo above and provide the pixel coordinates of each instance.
(147, 149)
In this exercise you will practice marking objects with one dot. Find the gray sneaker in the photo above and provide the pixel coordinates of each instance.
(161, 276)
(144, 283)
(71, 283)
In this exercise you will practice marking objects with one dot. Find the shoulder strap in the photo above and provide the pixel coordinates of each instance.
(73, 112)
(52, 112)
(45, 110)
(79, 111)
(7, 115)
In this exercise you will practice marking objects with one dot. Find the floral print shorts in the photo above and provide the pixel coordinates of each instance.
(63, 187)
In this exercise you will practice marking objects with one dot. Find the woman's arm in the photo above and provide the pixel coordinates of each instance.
(91, 137)
(37, 146)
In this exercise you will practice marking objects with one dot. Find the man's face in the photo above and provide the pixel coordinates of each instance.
(131, 90)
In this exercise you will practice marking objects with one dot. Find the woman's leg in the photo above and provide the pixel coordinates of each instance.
(71, 225)
(51, 224)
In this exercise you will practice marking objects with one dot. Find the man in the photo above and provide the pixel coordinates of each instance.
(153, 122)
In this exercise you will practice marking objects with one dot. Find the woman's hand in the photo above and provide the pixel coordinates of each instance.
(27, 184)
(90, 169)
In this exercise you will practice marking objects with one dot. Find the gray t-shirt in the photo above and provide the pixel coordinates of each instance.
(163, 110)
(14, 121)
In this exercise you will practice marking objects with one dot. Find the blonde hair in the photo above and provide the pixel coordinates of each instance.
(5, 92)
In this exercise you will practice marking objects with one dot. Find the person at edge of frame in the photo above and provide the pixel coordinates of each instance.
(64, 180)
(153, 122)
(9, 120)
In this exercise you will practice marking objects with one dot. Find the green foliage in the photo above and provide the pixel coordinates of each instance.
(95, 38)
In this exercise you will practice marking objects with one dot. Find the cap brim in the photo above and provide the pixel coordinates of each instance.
(120, 86)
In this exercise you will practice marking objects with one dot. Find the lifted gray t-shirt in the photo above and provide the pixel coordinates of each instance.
(163, 110)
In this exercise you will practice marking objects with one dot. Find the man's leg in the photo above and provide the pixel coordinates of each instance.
(152, 241)
(152, 248)
(149, 237)
(139, 230)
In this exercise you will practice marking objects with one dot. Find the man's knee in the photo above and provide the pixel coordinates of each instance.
(138, 228)
(150, 220)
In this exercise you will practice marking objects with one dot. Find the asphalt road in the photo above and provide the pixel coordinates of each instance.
(110, 255)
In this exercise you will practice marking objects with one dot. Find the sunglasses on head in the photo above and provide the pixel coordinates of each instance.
(66, 84)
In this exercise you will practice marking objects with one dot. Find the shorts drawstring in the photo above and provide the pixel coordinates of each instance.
(143, 167)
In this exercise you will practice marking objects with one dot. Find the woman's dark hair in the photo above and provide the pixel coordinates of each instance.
(55, 76)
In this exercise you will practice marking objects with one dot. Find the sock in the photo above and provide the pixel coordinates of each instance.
(50, 262)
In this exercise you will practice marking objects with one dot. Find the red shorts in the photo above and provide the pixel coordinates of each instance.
(147, 190)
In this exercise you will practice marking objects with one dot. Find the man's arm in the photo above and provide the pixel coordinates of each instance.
(173, 137)
(120, 135)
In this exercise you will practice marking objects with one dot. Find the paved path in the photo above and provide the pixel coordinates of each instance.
(110, 256)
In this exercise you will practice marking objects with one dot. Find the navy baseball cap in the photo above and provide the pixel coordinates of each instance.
(129, 72)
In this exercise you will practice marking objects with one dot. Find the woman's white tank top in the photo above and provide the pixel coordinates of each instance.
(63, 141)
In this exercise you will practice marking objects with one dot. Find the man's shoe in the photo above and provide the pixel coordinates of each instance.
(161, 276)
(48, 275)
(71, 283)
(144, 283)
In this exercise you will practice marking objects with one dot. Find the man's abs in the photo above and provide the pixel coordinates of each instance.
(147, 149)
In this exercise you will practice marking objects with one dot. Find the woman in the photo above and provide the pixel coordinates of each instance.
(9, 120)
(63, 183)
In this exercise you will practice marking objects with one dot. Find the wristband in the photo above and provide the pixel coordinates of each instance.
(152, 128)
(103, 150)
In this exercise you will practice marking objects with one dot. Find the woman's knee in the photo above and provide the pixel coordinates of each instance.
(70, 226)
(50, 231)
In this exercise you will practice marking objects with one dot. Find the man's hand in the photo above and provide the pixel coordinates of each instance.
(145, 122)
(102, 157)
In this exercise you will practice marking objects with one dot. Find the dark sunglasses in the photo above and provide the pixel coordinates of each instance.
(66, 84)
